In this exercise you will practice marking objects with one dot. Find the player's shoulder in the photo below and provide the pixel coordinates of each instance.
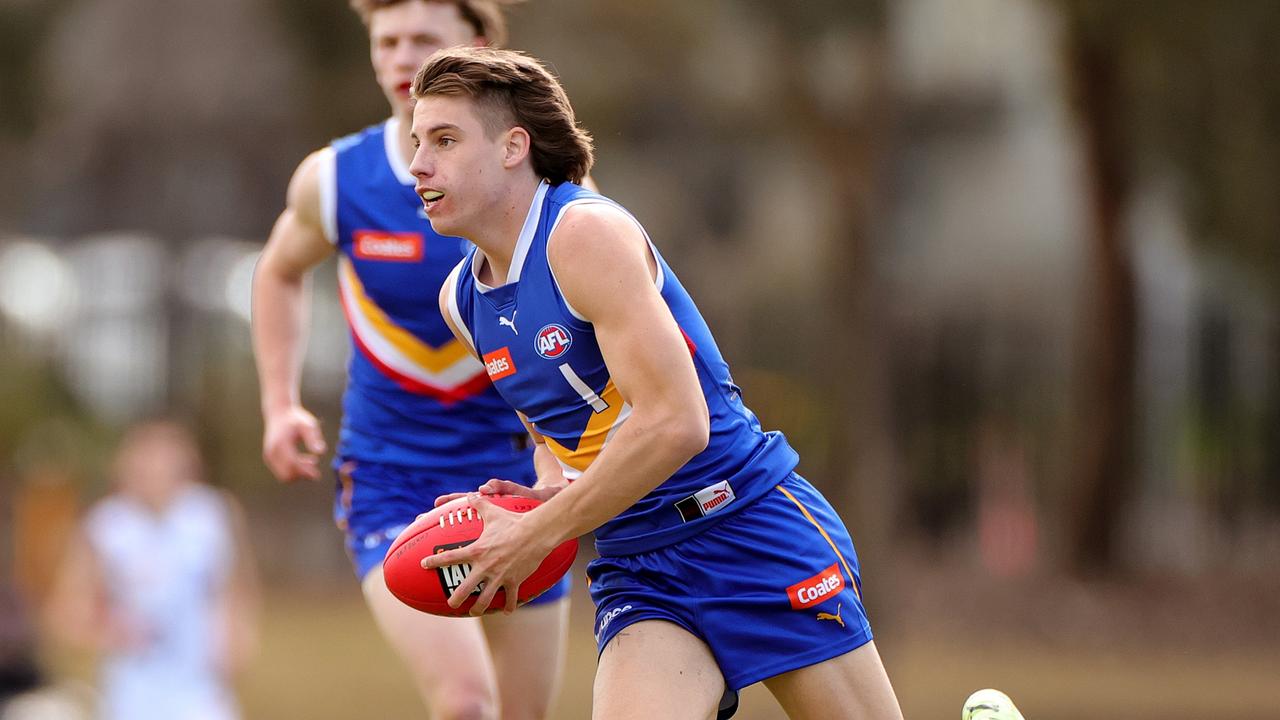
(308, 184)
(108, 509)
(359, 137)
(314, 164)
(109, 521)
(310, 173)
(592, 224)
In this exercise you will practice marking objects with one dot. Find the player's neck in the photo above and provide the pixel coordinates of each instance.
(498, 236)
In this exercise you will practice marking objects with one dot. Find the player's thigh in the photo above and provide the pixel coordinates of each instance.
(855, 683)
(444, 654)
(528, 649)
(656, 669)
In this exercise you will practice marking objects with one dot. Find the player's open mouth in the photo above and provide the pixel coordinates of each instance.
(403, 88)
(429, 198)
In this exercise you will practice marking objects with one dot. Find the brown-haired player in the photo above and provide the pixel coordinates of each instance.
(719, 567)
(420, 417)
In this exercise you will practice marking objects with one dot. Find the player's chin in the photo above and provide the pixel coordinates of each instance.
(441, 223)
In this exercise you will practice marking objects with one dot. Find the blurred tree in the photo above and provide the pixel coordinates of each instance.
(1102, 481)
(23, 26)
(835, 100)
(146, 120)
(1177, 87)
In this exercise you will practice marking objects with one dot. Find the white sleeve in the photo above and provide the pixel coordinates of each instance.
(327, 176)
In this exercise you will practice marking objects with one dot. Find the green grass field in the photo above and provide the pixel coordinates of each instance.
(323, 660)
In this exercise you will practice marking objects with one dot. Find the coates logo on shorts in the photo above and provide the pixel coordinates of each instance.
(387, 246)
(552, 341)
(819, 588)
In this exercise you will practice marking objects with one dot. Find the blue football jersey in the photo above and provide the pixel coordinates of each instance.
(544, 359)
(415, 397)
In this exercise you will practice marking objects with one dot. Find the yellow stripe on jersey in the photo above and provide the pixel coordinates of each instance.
(804, 510)
(593, 438)
(420, 353)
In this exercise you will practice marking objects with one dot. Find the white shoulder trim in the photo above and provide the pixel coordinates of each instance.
(527, 232)
(390, 141)
(658, 281)
(451, 292)
(327, 180)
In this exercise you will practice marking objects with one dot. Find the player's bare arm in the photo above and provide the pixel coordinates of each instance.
(550, 474)
(77, 612)
(292, 440)
(649, 364)
(239, 599)
(647, 357)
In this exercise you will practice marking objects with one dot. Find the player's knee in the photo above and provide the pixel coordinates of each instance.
(464, 707)
(527, 710)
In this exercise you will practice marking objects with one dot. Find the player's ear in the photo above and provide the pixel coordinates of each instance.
(516, 148)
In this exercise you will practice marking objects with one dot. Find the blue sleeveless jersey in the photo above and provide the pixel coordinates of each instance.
(544, 359)
(415, 396)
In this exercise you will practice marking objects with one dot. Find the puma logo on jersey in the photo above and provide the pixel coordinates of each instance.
(821, 587)
(836, 617)
(499, 364)
(509, 323)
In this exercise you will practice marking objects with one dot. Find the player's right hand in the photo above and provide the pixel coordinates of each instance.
(292, 444)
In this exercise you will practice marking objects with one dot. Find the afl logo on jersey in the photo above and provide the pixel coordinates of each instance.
(552, 341)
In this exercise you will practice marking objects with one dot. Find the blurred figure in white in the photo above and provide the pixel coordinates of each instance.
(159, 582)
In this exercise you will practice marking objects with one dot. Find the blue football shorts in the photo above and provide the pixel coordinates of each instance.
(373, 503)
(771, 588)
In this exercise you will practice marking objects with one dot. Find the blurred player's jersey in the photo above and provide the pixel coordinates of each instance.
(163, 573)
(415, 396)
(543, 357)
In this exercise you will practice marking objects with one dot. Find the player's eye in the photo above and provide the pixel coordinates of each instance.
(445, 141)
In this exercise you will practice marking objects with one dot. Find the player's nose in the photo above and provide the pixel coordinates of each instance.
(408, 57)
(421, 166)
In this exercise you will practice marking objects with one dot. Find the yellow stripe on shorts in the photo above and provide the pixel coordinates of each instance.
(853, 583)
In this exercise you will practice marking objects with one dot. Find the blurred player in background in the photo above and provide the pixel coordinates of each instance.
(420, 417)
(160, 583)
(720, 567)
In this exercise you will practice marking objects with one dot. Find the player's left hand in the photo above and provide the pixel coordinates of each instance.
(496, 486)
(502, 557)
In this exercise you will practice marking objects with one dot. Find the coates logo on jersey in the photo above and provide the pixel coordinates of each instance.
(821, 587)
(499, 364)
(553, 341)
(387, 246)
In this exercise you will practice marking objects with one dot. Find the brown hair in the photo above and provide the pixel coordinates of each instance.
(513, 89)
(484, 16)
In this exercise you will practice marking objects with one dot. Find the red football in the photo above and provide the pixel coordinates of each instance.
(454, 525)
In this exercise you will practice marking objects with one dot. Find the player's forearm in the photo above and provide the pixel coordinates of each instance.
(546, 467)
(279, 337)
(645, 451)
